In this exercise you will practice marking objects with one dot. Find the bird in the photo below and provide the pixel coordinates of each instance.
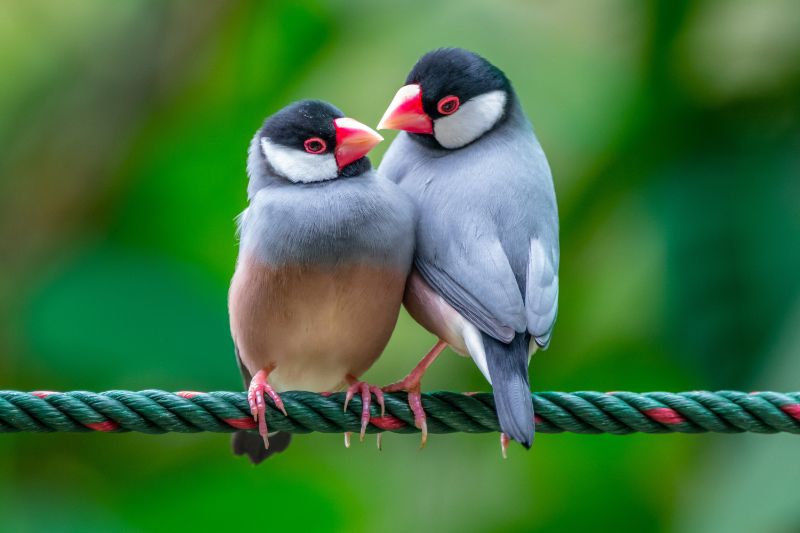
(325, 247)
(485, 275)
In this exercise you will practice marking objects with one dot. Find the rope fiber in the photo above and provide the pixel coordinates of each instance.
(620, 413)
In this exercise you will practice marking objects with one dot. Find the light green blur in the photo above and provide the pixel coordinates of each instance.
(673, 132)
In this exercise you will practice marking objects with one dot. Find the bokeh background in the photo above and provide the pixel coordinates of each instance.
(672, 129)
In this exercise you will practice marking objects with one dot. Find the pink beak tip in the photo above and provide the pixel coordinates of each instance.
(354, 140)
(406, 113)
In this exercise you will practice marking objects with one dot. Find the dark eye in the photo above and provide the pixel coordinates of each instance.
(315, 145)
(448, 105)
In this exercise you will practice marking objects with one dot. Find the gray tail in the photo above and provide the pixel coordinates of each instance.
(251, 444)
(508, 368)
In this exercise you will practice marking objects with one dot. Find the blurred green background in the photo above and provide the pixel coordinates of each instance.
(673, 132)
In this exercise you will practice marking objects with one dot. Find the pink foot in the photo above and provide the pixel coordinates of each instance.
(414, 402)
(365, 390)
(412, 384)
(255, 397)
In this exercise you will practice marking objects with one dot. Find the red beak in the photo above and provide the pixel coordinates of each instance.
(354, 140)
(406, 113)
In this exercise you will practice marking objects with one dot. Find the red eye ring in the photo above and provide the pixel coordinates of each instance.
(448, 105)
(315, 145)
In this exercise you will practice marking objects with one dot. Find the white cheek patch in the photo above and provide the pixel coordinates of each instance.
(299, 166)
(473, 119)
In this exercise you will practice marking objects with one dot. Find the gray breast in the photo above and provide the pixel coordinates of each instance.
(363, 218)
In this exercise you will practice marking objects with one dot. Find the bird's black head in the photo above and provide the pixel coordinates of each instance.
(310, 141)
(451, 98)
(296, 123)
(454, 72)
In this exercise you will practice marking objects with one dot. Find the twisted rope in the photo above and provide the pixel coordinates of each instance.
(620, 413)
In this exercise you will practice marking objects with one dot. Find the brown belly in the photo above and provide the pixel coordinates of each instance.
(314, 325)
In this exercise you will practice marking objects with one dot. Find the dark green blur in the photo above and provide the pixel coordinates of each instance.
(673, 132)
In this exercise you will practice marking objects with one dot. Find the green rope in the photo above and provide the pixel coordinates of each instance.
(154, 411)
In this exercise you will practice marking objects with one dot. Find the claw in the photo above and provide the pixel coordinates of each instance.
(366, 391)
(504, 440)
(420, 420)
(378, 392)
(258, 408)
(347, 397)
(276, 399)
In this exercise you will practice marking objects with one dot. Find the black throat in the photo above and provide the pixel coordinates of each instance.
(356, 168)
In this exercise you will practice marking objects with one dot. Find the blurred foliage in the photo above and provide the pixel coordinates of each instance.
(673, 132)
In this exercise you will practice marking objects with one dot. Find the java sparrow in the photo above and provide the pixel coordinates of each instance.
(325, 249)
(485, 276)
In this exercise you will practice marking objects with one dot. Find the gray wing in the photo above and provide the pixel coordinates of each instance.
(477, 280)
(473, 276)
(481, 275)
(541, 290)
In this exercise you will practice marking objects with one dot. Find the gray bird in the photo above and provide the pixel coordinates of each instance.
(485, 276)
(325, 249)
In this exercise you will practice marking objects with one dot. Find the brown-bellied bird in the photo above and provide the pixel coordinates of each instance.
(325, 249)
